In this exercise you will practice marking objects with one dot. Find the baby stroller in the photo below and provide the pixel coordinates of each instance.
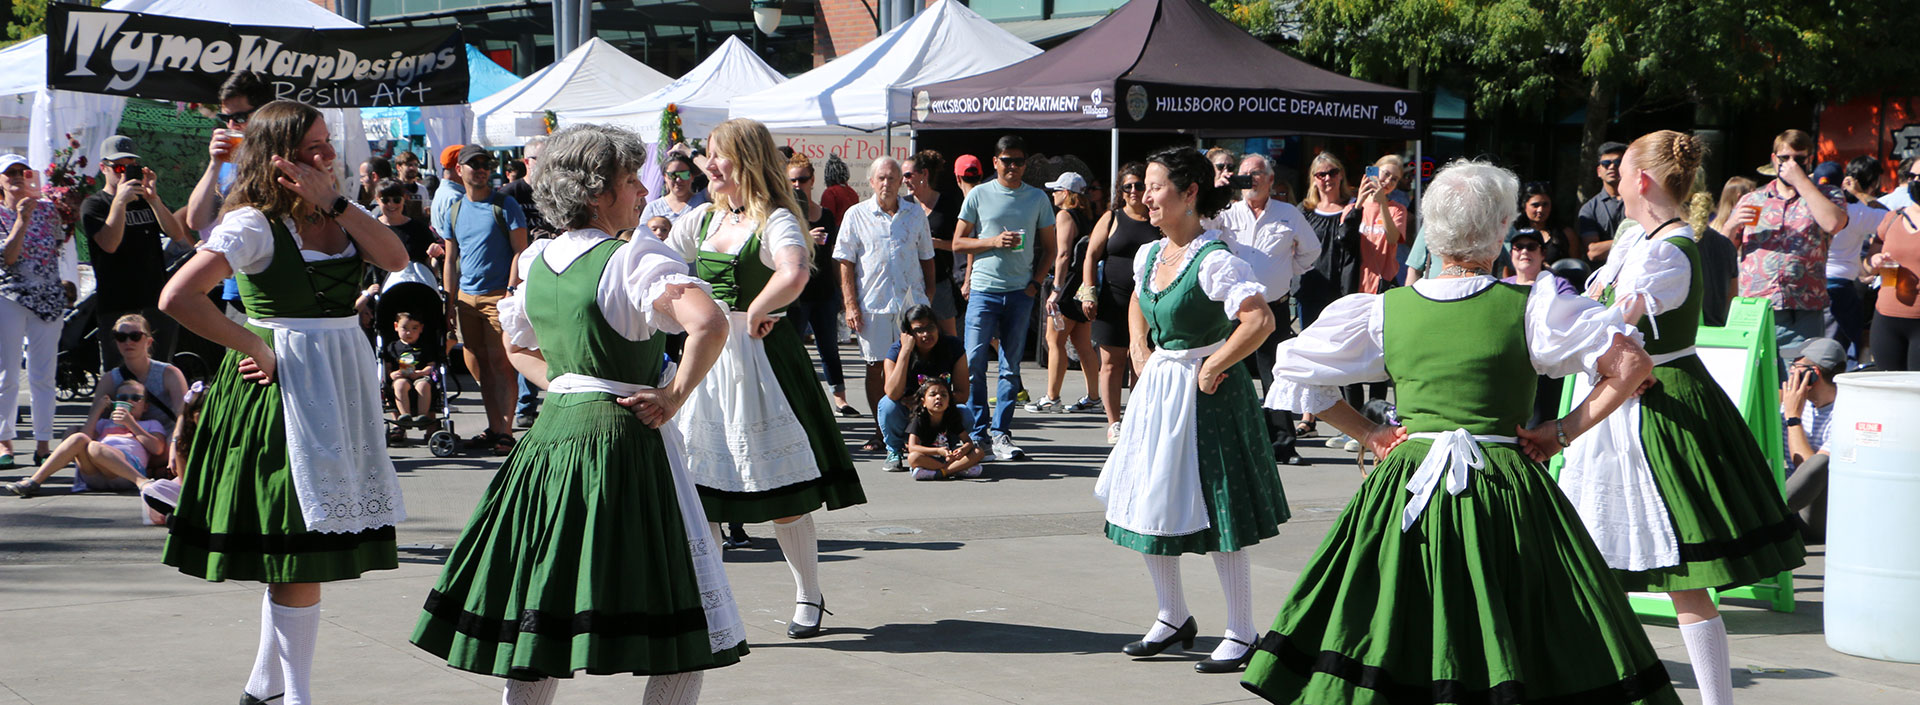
(403, 295)
(77, 364)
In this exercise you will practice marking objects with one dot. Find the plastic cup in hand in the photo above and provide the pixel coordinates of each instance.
(234, 138)
(1019, 239)
(1889, 272)
(125, 406)
(1059, 321)
(1749, 216)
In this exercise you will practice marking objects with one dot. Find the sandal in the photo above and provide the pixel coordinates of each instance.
(22, 489)
(873, 444)
(1303, 429)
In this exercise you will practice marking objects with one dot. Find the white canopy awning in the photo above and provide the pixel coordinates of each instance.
(870, 88)
(595, 75)
(701, 96)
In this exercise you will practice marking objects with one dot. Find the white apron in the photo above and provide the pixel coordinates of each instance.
(336, 443)
(724, 630)
(1608, 480)
(1451, 456)
(1151, 482)
(740, 433)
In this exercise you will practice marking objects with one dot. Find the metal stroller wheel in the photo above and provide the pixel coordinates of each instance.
(442, 444)
(76, 385)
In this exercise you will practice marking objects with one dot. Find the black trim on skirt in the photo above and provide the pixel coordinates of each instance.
(448, 609)
(203, 538)
(1740, 547)
(1639, 686)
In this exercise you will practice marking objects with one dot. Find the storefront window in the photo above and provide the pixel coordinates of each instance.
(1003, 10)
(1073, 8)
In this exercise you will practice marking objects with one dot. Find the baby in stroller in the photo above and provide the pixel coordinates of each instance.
(413, 355)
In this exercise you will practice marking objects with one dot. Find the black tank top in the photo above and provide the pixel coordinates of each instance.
(1127, 238)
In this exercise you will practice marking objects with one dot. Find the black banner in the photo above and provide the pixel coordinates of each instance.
(1391, 115)
(169, 58)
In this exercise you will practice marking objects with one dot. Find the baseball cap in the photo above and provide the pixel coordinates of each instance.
(1068, 181)
(1826, 354)
(117, 147)
(1612, 148)
(9, 161)
(1828, 174)
(471, 152)
(1526, 234)
(967, 165)
(448, 155)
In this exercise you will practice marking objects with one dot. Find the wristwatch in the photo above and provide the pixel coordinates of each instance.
(340, 205)
(1793, 421)
(1560, 431)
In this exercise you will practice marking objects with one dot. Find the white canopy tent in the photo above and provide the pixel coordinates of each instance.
(90, 117)
(595, 75)
(701, 96)
(870, 88)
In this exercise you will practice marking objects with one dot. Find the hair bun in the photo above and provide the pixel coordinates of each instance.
(1687, 150)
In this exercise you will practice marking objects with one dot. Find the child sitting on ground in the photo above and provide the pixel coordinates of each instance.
(937, 442)
(410, 364)
(113, 458)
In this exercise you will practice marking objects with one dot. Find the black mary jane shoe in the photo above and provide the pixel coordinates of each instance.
(796, 630)
(1211, 665)
(1183, 634)
(248, 699)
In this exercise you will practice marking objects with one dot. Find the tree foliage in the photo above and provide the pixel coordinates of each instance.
(30, 20)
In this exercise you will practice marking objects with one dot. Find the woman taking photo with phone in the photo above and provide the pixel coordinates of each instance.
(288, 480)
(36, 254)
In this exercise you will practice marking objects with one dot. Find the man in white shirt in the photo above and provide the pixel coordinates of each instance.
(1277, 241)
(885, 254)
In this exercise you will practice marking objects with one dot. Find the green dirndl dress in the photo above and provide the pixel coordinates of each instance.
(737, 280)
(1728, 513)
(577, 558)
(1492, 595)
(1238, 479)
(239, 517)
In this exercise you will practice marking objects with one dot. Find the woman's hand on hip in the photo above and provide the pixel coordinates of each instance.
(1382, 439)
(259, 366)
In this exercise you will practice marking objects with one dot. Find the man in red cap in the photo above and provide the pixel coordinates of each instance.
(450, 187)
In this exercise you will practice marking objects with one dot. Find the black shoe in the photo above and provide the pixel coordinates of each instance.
(246, 699)
(796, 630)
(1290, 457)
(1183, 634)
(1209, 665)
(525, 420)
(848, 411)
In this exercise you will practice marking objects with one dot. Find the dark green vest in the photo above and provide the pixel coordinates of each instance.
(292, 287)
(1181, 317)
(1460, 364)
(1680, 326)
(737, 278)
(574, 336)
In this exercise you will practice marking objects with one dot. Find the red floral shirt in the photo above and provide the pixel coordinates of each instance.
(1783, 258)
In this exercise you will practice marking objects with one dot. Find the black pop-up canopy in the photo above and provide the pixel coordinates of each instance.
(1170, 65)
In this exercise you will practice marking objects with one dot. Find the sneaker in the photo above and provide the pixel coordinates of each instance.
(525, 420)
(971, 472)
(1045, 404)
(1113, 433)
(22, 489)
(926, 474)
(1339, 441)
(1004, 449)
(1352, 446)
(1021, 396)
(1084, 404)
(895, 463)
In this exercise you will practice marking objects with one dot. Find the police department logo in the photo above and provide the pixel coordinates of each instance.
(1096, 96)
(922, 105)
(1400, 108)
(1137, 103)
(1906, 141)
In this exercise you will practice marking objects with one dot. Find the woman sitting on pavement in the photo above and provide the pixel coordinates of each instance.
(114, 457)
(165, 385)
(923, 352)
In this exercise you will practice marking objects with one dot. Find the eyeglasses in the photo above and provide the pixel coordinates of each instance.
(923, 330)
(18, 172)
(1134, 187)
(239, 117)
(396, 200)
(1014, 162)
(681, 175)
(1223, 166)
(1609, 163)
(124, 168)
(799, 179)
(907, 174)
(1328, 174)
(129, 397)
(1525, 246)
(124, 337)
(480, 163)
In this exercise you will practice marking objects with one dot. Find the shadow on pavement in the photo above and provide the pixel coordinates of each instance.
(961, 636)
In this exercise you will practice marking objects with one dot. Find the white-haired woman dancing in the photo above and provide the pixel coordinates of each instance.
(1459, 573)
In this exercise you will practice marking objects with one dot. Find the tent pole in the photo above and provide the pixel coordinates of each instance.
(1419, 162)
(1113, 158)
(888, 145)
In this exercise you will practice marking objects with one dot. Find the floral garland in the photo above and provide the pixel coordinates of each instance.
(670, 133)
(68, 182)
(552, 121)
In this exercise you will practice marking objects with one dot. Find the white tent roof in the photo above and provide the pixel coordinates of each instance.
(701, 95)
(595, 75)
(870, 88)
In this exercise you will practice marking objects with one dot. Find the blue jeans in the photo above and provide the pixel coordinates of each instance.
(894, 416)
(529, 402)
(990, 315)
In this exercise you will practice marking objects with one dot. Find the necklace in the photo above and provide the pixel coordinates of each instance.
(1169, 256)
(1454, 270)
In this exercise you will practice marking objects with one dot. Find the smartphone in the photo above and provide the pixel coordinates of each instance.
(1240, 181)
(1373, 172)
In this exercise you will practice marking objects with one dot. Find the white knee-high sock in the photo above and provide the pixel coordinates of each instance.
(1236, 580)
(538, 692)
(1165, 571)
(802, 549)
(265, 682)
(1707, 648)
(295, 629)
(676, 689)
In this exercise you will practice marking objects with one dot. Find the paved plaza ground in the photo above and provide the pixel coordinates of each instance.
(996, 590)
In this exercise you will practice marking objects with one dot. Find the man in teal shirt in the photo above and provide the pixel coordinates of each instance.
(1005, 227)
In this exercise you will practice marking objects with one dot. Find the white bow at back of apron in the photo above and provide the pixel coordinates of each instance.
(336, 443)
(724, 629)
(1453, 456)
(741, 434)
(1609, 481)
(1151, 482)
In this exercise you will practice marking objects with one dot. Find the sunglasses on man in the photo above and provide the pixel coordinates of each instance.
(239, 117)
(1610, 163)
(1013, 162)
(122, 169)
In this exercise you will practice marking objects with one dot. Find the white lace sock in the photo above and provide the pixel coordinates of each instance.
(296, 628)
(265, 682)
(676, 689)
(538, 692)
(1166, 588)
(1707, 648)
(802, 549)
(1236, 580)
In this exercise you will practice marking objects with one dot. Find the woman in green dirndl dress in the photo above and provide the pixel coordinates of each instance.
(590, 551)
(1175, 484)
(1675, 491)
(1458, 573)
(287, 480)
(762, 443)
